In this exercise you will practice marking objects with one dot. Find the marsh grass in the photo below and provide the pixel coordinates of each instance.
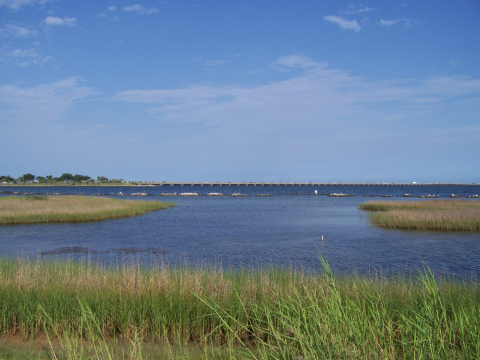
(258, 314)
(447, 215)
(43, 209)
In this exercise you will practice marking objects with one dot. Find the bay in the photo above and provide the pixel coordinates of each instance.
(279, 230)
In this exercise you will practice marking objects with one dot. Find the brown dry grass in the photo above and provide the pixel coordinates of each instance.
(15, 210)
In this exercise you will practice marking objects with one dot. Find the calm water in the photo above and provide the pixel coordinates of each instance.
(245, 231)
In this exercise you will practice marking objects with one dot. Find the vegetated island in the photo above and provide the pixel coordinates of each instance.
(42, 209)
(85, 311)
(446, 215)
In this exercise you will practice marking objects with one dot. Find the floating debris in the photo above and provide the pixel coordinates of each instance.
(168, 194)
(386, 195)
(120, 194)
(214, 194)
(238, 194)
(473, 196)
(189, 194)
(454, 196)
(264, 195)
(427, 196)
(340, 195)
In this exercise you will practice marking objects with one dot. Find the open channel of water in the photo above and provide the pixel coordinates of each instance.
(279, 230)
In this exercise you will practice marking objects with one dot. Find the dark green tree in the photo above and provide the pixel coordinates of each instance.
(6, 178)
(41, 179)
(49, 177)
(28, 177)
(80, 178)
(66, 177)
(102, 179)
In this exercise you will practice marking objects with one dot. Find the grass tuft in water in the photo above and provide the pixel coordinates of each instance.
(36, 209)
(445, 215)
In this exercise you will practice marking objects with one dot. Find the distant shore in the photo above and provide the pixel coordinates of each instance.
(259, 184)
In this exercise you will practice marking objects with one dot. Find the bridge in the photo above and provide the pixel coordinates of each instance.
(165, 183)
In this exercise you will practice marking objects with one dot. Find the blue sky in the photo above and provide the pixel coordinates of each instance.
(383, 91)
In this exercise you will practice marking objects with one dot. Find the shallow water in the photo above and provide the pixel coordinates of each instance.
(254, 231)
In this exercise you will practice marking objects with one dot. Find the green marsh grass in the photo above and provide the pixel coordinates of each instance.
(43, 209)
(446, 215)
(257, 314)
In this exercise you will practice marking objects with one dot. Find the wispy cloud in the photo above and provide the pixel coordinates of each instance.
(17, 4)
(112, 8)
(295, 61)
(140, 9)
(322, 111)
(27, 57)
(404, 22)
(56, 21)
(314, 99)
(40, 104)
(343, 23)
(17, 31)
(359, 10)
(23, 53)
(215, 62)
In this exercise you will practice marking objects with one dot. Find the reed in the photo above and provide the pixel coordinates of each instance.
(266, 313)
(43, 209)
(445, 215)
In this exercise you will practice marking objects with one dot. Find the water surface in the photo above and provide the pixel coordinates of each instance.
(279, 230)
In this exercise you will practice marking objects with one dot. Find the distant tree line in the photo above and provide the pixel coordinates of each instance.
(49, 179)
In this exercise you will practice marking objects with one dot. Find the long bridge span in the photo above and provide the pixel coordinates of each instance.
(165, 183)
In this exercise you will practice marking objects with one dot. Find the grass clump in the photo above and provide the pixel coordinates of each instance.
(265, 314)
(446, 215)
(43, 209)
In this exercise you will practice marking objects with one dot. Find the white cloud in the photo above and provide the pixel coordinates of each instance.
(323, 115)
(388, 22)
(34, 58)
(356, 10)
(17, 4)
(23, 53)
(296, 61)
(404, 22)
(316, 99)
(40, 104)
(17, 31)
(112, 8)
(215, 62)
(140, 9)
(55, 21)
(344, 24)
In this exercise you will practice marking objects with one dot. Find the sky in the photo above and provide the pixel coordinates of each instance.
(251, 90)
